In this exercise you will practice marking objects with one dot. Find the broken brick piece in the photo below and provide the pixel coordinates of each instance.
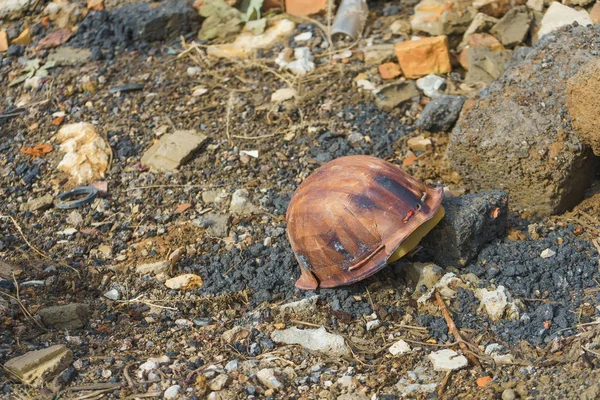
(389, 70)
(424, 56)
(303, 8)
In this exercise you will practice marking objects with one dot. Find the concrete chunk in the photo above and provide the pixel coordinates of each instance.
(318, 340)
(447, 360)
(36, 367)
(471, 221)
(69, 316)
(172, 150)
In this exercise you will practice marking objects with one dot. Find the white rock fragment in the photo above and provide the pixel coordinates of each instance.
(219, 382)
(240, 203)
(283, 94)
(493, 348)
(303, 37)
(372, 325)
(303, 62)
(558, 15)
(249, 153)
(68, 232)
(400, 347)
(86, 153)
(183, 322)
(346, 382)
(498, 303)
(246, 43)
(148, 366)
(447, 360)
(199, 91)
(304, 306)
(547, 253)
(267, 377)
(112, 294)
(365, 84)
(431, 84)
(184, 282)
(446, 287)
(172, 392)
(318, 340)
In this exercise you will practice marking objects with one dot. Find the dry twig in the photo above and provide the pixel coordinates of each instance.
(452, 327)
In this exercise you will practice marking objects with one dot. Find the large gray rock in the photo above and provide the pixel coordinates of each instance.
(471, 222)
(69, 316)
(518, 136)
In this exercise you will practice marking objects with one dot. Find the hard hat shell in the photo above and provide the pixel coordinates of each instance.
(350, 215)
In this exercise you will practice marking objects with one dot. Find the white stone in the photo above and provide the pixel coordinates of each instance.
(493, 348)
(372, 325)
(249, 153)
(112, 294)
(400, 347)
(431, 84)
(535, 5)
(558, 15)
(68, 231)
(183, 322)
(240, 203)
(303, 306)
(303, 37)
(231, 366)
(318, 340)
(504, 359)
(219, 382)
(497, 303)
(172, 392)
(283, 94)
(199, 91)
(547, 253)
(447, 360)
(303, 62)
(365, 84)
(346, 382)
(13, 8)
(148, 366)
(267, 377)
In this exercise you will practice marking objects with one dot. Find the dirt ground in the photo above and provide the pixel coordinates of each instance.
(250, 271)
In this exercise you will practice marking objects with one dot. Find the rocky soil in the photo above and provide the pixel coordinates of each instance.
(177, 279)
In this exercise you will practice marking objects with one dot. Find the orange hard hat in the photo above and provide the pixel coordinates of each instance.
(355, 214)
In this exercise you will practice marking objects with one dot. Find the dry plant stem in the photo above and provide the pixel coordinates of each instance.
(23, 235)
(39, 252)
(444, 384)
(295, 321)
(454, 330)
(228, 118)
(144, 395)
(97, 394)
(17, 299)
